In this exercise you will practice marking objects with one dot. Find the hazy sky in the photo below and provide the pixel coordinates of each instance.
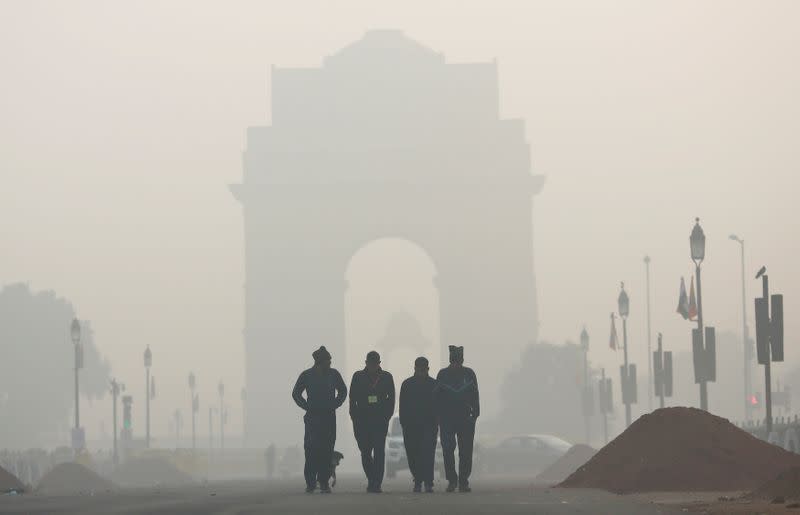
(122, 123)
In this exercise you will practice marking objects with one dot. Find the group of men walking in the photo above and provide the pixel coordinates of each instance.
(448, 404)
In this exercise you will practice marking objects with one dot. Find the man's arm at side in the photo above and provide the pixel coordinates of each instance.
(390, 400)
(341, 390)
(476, 408)
(297, 392)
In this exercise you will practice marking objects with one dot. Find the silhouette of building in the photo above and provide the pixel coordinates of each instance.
(386, 139)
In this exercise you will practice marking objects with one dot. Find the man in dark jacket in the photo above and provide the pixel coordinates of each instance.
(325, 392)
(458, 407)
(418, 418)
(371, 408)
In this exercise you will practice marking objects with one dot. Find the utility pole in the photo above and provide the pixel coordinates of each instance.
(195, 407)
(587, 389)
(244, 418)
(748, 356)
(221, 416)
(148, 361)
(649, 332)
(116, 388)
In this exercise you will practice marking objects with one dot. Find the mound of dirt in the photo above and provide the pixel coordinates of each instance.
(786, 485)
(143, 472)
(575, 457)
(682, 449)
(72, 479)
(9, 482)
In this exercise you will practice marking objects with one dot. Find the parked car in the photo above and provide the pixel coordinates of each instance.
(529, 453)
(396, 459)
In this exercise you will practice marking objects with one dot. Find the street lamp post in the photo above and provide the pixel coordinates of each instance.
(697, 245)
(116, 388)
(221, 416)
(748, 385)
(244, 417)
(623, 305)
(195, 406)
(587, 396)
(148, 361)
(649, 331)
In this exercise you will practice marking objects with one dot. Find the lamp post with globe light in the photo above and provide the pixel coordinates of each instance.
(697, 246)
(627, 376)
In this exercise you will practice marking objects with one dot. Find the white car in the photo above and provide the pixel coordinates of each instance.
(396, 451)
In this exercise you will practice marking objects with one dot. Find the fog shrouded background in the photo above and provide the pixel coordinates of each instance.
(122, 124)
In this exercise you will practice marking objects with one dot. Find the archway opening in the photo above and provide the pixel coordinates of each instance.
(392, 306)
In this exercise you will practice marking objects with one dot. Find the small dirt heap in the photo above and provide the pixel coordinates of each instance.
(73, 479)
(786, 485)
(9, 482)
(144, 472)
(576, 457)
(682, 449)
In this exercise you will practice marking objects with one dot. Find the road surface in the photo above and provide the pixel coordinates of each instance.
(494, 497)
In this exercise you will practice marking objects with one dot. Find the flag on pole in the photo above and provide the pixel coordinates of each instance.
(692, 303)
(612, 342)
(683, 302)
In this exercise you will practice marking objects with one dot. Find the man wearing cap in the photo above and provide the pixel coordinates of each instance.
(325, 392)
(371, 408)
(458, 407)
(418, 418)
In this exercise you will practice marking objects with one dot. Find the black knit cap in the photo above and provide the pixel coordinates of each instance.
(421, 362)
(321, 354)
(456, 354)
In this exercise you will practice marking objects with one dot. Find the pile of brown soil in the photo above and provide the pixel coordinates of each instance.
(786, 485)
(150, 471)
(9, 482)
(575, 457)
(72, 479)
(682, 449)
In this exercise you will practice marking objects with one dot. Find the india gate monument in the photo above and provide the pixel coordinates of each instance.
(385, 139)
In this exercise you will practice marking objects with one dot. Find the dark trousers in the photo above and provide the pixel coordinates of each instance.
(462, 430)
(318, 443)
(420, 443)
(371, 438)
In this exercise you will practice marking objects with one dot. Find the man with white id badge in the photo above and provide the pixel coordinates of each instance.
(371, 408)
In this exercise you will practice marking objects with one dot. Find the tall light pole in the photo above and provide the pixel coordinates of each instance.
(221, 389)
(148, 361)
(587, 395)
(116, 388)
(697, 245)
(649, 332)
(623, 305)
(748, 385)
(75, 332)
(244, 417)
(195, 406)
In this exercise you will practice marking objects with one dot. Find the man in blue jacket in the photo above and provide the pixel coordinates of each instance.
(325, 392)
(459, 407)
(371, 408)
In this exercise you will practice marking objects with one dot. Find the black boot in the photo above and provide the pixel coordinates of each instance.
(451, 486)
(417, 487)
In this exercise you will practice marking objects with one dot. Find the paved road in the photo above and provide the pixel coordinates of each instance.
(488, 497)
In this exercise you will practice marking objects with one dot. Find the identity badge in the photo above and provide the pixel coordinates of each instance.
(372, 399)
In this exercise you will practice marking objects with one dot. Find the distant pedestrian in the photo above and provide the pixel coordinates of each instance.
(418, 418)
(325, 392)
(371, 408)
(458, 407)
